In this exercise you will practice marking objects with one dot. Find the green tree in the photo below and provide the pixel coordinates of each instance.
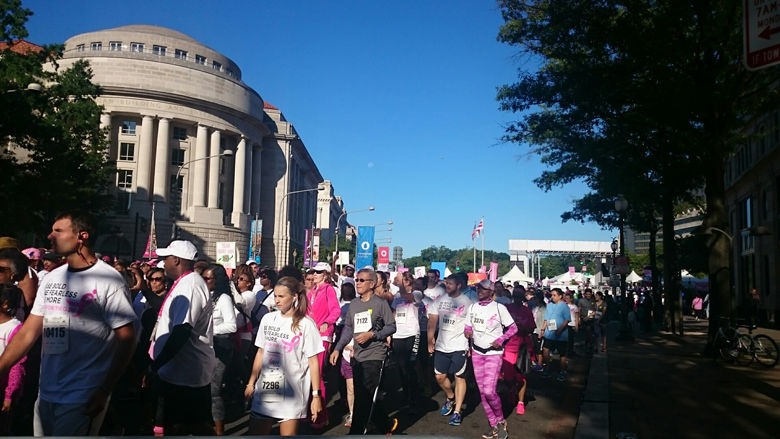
(56, 155)
(638, 81)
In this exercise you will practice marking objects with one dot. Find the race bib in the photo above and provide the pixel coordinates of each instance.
(447, 322)
(362, 322)
(271, 385)
(552, 325)
(598, 315)
(591, 313)
(400, 316)
(479, 324)
(55, 334)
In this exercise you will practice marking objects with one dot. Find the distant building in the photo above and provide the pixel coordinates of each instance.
(752, 182)
(639, 242)
(172, 106)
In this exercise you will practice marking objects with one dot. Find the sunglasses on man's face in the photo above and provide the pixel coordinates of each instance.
(359, 280)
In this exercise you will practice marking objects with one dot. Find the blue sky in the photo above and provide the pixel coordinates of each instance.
(395, 101)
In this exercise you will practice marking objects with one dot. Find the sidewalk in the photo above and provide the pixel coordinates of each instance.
(661, 386)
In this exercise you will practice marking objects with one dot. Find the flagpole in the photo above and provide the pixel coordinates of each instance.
(482, 234)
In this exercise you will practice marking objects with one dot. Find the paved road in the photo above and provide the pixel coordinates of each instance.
(551, 413)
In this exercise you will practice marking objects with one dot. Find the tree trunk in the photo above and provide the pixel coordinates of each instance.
(719, 244)
(658, 306)
(673, 301)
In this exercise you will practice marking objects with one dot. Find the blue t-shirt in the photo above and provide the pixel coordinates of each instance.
(558, 312)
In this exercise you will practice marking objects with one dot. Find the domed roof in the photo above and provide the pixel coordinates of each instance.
(156, 30)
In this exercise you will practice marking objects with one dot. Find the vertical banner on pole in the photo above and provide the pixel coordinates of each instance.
(306, 247)
(493, 271)
(151, 244)
(383, 258)
(315, 246)
(365, 247)
(255, 238)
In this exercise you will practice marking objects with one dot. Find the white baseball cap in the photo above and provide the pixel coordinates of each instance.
(322, 266)
(181, 249)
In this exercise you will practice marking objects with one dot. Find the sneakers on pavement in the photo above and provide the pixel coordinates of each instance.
(561, 376)
(537, 368)
(348, 420)
(491, 433)
(448, 407)
(502, 431)
(520, 408)
(456, 419)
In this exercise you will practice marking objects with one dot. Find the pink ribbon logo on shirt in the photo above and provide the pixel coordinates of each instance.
(459, 310)
(82, 303)
(491, 320)
(290, 345)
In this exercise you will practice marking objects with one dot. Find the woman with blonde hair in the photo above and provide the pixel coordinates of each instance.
(285, 370)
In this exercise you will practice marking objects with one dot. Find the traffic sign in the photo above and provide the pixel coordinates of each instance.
(762, 33)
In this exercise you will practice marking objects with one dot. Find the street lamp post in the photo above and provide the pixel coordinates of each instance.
(621, 204)
(614, 247)
(338, 222)
(284, 226)
(225, 153)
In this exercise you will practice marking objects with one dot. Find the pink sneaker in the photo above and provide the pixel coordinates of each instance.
(520, 408)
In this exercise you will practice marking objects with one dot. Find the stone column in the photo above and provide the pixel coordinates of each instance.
(254, 206)
(239, 181)
(199, 168)
(248, 178)
(162, 160)
(145, 152)
(214, 162)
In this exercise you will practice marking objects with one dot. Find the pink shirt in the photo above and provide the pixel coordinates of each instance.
(324, 308)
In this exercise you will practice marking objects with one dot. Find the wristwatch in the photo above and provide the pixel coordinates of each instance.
(315, 393)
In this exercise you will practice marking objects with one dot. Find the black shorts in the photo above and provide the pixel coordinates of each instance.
(560, 345)
(184, 405)
(450, 363)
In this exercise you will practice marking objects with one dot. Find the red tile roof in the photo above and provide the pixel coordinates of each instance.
(267, 106)
(21, 46)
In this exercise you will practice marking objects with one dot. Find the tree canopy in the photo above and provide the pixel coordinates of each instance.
(637, 97)
(54, 155)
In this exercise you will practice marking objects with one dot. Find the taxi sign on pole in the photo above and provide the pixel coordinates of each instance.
(762, 33)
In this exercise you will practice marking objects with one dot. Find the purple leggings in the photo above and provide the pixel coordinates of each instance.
(486, 371)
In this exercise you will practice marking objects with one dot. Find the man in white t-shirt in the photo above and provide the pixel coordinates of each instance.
(84, 313)
(435, 288)
(450, 311)
(182, 345)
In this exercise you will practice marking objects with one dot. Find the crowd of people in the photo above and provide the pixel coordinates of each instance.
(177, 345)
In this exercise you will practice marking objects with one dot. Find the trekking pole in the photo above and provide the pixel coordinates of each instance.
(376, 393)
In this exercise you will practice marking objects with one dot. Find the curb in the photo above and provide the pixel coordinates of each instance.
(593, 421)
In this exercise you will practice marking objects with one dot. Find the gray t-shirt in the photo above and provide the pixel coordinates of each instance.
(372, 315)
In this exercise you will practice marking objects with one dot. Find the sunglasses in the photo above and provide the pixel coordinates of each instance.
(5, 269)
(359, 280)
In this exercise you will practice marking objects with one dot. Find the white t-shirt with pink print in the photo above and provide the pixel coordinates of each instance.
(283, 387)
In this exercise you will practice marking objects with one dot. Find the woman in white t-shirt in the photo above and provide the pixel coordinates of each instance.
(285, 368)
(574, 324)
(224, 321)
(406, 339)
(486, 323)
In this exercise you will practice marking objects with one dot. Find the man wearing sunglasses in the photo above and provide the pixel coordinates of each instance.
(370, 321)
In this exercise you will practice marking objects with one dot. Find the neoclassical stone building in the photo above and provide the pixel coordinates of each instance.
(189, 136)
